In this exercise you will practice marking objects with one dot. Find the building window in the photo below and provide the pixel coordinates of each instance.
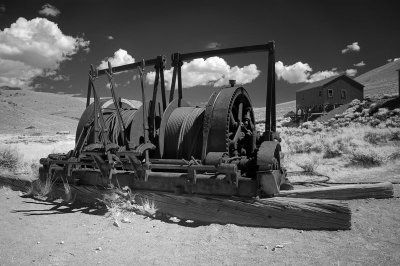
(330, 93)
(320, 93)
(343, 94)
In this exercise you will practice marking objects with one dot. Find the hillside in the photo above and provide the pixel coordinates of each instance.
(281, 109)
(381, 80)
(27, 112)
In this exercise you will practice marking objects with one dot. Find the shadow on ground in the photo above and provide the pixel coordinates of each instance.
(56, 207)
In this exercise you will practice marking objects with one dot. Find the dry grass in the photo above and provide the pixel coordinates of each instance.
(309, 163)
(122, 204)
(10, 159)
(5, 190)
(365, 157)
(40, 189)
(67, 193)
(356, 145)
(44, 189)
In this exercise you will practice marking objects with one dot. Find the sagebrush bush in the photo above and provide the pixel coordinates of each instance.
(360, 144)
(355, 102)
(365, 157)
(308, 163)
(304, 144)
(333, 148)
(394, 135)
(9, 158)
(373, 137)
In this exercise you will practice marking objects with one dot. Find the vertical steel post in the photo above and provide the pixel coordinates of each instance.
(162, 81)
(270, 94)
(89, 92)
(117, 107)
(273, 95)
(179, 65)
(153, 103)
(145, 125)
(96, 107)
(173, 81)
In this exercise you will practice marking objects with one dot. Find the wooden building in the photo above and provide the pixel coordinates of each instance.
(325, 95)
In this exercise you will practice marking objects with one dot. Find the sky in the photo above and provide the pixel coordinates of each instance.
(49, 45)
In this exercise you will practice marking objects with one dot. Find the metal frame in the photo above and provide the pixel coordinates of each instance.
(270, 108)
(191, 171)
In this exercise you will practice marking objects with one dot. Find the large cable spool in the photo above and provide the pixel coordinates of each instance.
(180, 131)
(128, 112)
(186, 130)
(183, 133)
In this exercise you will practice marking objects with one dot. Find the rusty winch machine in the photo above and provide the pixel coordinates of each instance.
(171, 146)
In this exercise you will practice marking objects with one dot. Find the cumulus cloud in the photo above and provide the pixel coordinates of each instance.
(213, 45)
(393, 59)
(110, 37)
(354, 47)
(361, 64)
(30, 48)
(295, 73)
(320, 75)
(351, 72)
(60, 78)
(49, 10)
(16, 73)
(301, 72)
(121, 57)
(211, 71)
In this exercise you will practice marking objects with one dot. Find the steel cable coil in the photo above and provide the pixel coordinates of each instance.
(128, 113)
(183, 133)
(113, 126)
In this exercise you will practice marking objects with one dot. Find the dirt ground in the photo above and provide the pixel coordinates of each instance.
(35, 232)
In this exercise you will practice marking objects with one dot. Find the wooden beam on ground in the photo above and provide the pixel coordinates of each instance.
(279, 212)
(343, 192)
(306, 214)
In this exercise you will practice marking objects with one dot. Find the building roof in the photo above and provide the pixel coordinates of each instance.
(324, 82)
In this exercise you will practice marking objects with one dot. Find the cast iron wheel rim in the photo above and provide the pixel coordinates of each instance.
(218, 139)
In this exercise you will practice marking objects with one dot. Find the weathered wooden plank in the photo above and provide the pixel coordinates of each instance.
(343, 192)
(307, 214)
(280, 212)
